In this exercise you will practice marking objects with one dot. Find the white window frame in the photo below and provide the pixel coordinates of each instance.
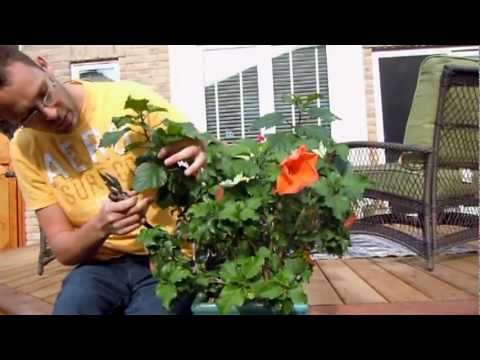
(460, 51)
(76, 68)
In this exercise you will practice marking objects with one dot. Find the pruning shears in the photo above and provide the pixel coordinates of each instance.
(114, 186)
(116, 191)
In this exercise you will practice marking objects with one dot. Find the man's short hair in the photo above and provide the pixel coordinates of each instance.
(8, 55)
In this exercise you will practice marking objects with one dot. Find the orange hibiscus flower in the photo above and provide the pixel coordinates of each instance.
(297, 171)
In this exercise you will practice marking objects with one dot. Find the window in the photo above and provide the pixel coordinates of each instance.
(301, 71)
(96, 71)
(244, 82)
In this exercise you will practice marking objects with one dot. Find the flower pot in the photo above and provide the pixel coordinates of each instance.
(203, 308)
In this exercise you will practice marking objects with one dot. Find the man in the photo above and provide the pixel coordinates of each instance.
(57, 160)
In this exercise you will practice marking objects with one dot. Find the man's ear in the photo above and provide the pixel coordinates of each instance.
(42, 63)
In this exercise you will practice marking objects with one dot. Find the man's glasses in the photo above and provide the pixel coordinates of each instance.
(47, 101)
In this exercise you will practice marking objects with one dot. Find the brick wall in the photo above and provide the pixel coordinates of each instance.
(147, 64)
(370, 99)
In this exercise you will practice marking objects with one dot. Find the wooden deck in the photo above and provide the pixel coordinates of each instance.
(354, 286)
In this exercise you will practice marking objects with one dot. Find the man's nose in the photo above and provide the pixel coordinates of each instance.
(50, 113)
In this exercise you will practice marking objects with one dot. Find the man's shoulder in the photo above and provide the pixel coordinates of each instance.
(23, 140)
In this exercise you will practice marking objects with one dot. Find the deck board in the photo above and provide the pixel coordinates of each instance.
(419, 279)
(320, 291)
(452, 276)
(351, 288)
(389, 286)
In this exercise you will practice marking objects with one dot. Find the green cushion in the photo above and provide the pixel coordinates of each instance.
(420, 124)
(402, 181)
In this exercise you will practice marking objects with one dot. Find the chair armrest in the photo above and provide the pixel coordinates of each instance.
(388, 145)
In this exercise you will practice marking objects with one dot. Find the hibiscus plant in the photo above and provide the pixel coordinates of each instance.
(249, 222)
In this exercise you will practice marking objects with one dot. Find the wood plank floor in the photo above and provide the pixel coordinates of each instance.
(350, 286)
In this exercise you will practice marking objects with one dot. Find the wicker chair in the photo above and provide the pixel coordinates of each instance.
(45, 254)
(425, 193)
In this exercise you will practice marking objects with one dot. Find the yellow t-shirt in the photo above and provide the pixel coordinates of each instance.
(63, 168)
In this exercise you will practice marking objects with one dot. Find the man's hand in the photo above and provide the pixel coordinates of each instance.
(184, 150)
(123, 216)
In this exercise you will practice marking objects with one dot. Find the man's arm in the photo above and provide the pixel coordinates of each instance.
(73, 245)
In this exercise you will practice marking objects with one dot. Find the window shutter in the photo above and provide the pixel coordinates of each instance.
(232, 105)
(302, 71)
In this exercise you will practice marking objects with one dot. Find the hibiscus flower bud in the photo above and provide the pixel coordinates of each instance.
(219, 193)
(350, 221)
(309, 258)
(261, 138)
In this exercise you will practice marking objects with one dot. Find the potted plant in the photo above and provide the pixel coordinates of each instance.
(247, 225)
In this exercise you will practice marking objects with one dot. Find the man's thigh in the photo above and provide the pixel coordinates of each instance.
(92, 289)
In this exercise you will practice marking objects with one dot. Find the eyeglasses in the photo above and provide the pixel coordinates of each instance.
(47, 101)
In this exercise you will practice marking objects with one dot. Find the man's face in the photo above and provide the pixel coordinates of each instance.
(33, 98)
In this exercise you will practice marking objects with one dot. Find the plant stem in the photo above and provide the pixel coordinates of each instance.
(147, 136)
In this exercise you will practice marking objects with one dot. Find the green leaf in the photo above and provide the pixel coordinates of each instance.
(149, 175)
(297, 295)
(259, 190)
(166, 293)
(319, 133)
(111, 138)
(228, 271)
(342, 150)
(323, 113)
(135, 145)
(321, 187)
(252, 232)
(311, 98)
(253, 203)
(243, 147)
(267, 121)
(252, 266)
(275, 262)
(178, 275)
(152, 237)
(284, 277)
(121, 121)
(189, 130)
(246, 167)
(152, 108)
(264, 252)
(296, 265)
(159, 137)
(202, 280)
(285, 141)
(199, 209)
(230, 297)
(173, 128)
(248, 214)
(341, 165)
(339, 204)
(269, 290)
(137, 105)
(229, 212)
(170, 139)
(207, 138)
(354, 186)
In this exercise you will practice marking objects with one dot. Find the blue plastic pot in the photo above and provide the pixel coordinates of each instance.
(202, 308)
